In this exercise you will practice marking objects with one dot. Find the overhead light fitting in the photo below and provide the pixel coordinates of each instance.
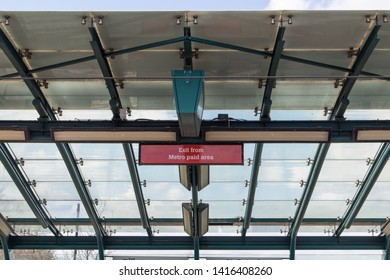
(5, 228)
(13, 135)
(266, 136)
(202, 176)
(84, 20)
(188, 219)
(113, 136)
(374, 135)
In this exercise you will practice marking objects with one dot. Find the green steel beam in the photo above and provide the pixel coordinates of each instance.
(115, 102)
(206, 243)
(357, 68)
(212, 222)
(194, 190)
(368, 183)
(187, 50)
(309, 189)
(387, 255)
(283, 56)
(252, 187)
(4, 245)
(265, 115)
(273, 68)
(25, 189)
(340, 107)
(45, 111)
(92, 57)
(40, 103)
(130, 158)
(339, 131)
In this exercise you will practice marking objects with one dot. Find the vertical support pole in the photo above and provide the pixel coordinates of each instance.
(195, 210)
(77, 230)
(293, 246)
(387, 255)
(4, 244)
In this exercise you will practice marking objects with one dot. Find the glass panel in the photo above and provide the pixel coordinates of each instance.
(66, 208)
(299, 152)
(118, 209)
(23, 230)
(36, 151)
(14, 95)
(371, 94)
(165, 209)
(15, 209)
(363, 230)
(375, 209)
(326, 209)
(168, 191)
(33, 255)
(275, 191)
(274, 209)
(294, 95)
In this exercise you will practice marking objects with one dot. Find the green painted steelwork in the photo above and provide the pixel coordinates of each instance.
(273, 68)
(206, 243)
(130, 158)
(368, 183)
(106, 54)
(340, 105)
(4, 245)
(45, 112)
(306, 196)
(357, 68)
(187, 50)
(115, 103)
(194, 192)
(252, 187)
(25, 189)
(212, 222)
(387, 255)
(339, 131)
(265, 116)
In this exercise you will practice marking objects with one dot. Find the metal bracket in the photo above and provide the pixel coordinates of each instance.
(249, 161)
(109, 51)
(351, 52)
(246, 183)
(33, 183)
(120, 84)
(96, 201)
(43, 83)
(195, 53)
(309, 161)
(147, 201)
(20, 161)
(339, 83)
(296, 202)
(25, 53)
(57, 111)
(327, 111)
(43, 201)
(88, 183)
(359, 183)
(143, 183)
(244, 202)
(369, 161)
(302, 183)
(80, 161)
(349, 201)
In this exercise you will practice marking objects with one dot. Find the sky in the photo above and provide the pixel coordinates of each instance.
(115, 5)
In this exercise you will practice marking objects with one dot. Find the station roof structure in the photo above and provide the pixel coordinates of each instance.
(306, 94)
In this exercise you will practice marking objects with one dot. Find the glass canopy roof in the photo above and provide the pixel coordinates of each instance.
(278, 71)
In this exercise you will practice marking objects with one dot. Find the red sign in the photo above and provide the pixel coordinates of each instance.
(191, 154)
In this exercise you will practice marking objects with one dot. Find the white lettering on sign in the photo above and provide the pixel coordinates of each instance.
(176, 157)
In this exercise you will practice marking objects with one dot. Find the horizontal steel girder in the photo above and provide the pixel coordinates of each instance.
(213, 222)
(340, 131)
(206, 243)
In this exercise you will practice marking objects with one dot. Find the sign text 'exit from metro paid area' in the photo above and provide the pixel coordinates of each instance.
(191, 154)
